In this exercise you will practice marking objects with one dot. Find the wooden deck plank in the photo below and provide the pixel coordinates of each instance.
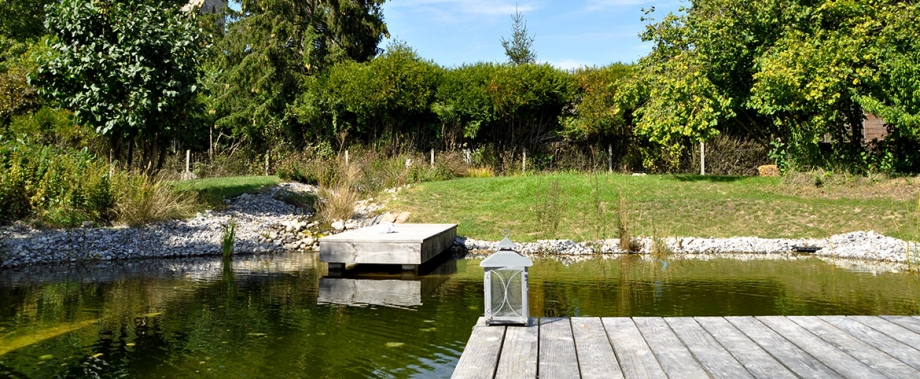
(714, 358)
(557, 349)
(891, 329)
(790, 355)
(673, 356)
(595, 354)
(519, 352)
(841, 362)
(480, 356)
(635, 357)
(757, 361)
(735, 347)
(904, 353)
(912, 323)
(860, 350)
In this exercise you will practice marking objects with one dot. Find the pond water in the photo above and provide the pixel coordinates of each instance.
(265, 317)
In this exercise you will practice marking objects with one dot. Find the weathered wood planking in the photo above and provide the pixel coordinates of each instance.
(635, 357)
(714, 358)
(595, 354)
(479, 359)
(411, 244)
(790, 355)
(879, 340)
(841, 362)
(673, 356)
(891, 329)
(730, 347)
(557, 349)
(911, 323)
(757, 361)
(519, 352)
(881, 362)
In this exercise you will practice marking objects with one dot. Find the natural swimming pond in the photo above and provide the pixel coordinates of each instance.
(265, 317)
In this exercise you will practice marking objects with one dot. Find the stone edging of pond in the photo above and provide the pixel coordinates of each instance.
(268, 225)
(855, 245)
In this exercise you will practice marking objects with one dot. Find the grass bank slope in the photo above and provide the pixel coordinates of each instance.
(587, 206)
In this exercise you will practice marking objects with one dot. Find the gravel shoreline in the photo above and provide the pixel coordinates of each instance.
(268, 225)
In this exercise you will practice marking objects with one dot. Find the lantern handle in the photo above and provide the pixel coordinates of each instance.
(506, 233)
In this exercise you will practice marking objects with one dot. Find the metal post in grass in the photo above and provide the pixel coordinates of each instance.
(188, 159)
(266, 161)
(505, 284)
(432, 157)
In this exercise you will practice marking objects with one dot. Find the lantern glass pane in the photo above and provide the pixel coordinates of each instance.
(506, 293)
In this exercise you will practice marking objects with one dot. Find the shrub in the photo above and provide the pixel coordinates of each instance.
(56, 186)
(142, 199)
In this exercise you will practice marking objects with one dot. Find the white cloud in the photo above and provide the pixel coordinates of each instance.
(470, 7)
(568, 64)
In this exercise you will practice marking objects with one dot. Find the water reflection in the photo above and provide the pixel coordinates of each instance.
(373, 285)
(283, 315)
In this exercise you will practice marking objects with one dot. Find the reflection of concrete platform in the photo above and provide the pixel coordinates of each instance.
(410, 245)
(378, 288)
(402, 293)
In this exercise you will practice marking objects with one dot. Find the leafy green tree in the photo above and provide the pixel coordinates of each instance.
(127, 68)
(846, 57)
(519, 47)
(270, 49)
(508, 106)
(385, 100)
(21, 20)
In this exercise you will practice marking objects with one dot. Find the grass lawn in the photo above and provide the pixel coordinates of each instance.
(585, 206)
(212, 191)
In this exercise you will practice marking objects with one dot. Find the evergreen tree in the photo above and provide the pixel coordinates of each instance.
(518, 48)
(269, 50)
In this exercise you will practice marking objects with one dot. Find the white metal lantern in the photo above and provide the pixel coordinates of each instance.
(505, 285)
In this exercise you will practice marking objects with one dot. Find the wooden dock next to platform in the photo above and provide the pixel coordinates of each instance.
(409, 245)
(696, 347)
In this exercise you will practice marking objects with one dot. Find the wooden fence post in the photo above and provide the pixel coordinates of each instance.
(702, 158)
(524, 162)
(609, 157)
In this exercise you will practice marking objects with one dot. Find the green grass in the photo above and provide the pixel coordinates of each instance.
(212, 191)
(665, 205)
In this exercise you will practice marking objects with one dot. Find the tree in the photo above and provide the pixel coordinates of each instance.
(127, 68)
(270, 49)
(518, 48)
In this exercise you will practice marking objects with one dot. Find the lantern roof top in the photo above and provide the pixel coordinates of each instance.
(506, 258)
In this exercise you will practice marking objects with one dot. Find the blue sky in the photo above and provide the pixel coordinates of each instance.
(567, 34)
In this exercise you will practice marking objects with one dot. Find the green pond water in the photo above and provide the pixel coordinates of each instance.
(267, 317)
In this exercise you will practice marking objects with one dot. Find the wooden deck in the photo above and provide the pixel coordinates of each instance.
(696, 347)
(410, 245)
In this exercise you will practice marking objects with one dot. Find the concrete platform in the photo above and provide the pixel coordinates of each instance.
(410, 245)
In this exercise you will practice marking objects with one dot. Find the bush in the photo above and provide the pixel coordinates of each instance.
(56, 186)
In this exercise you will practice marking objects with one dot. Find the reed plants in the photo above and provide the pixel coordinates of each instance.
(911, 227)
(623, 226)
(339, 194)
(143, 199)
(228, 238)
(550, 205)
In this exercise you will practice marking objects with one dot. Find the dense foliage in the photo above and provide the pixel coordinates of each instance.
(801, 74)
(127, 68)
(785, 80)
